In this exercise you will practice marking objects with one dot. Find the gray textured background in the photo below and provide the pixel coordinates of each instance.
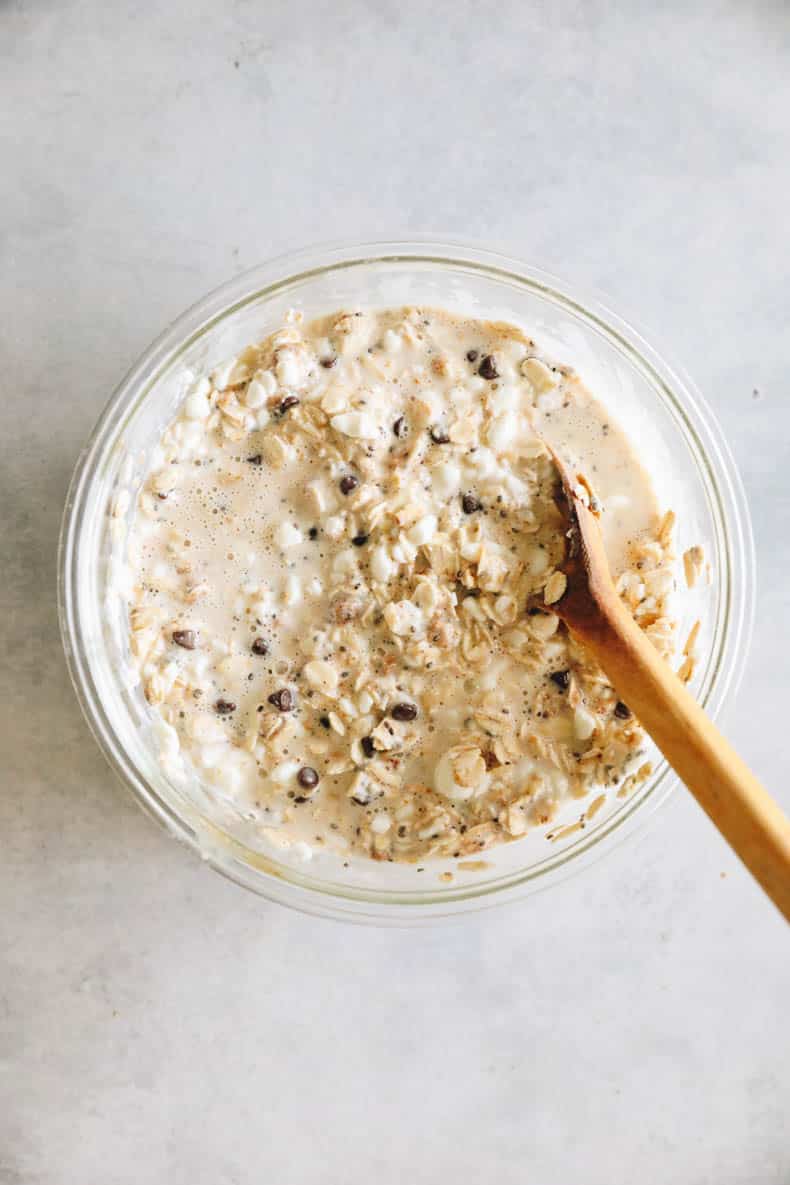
(156, 1023)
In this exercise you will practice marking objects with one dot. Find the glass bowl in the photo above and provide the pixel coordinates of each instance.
(663, 414)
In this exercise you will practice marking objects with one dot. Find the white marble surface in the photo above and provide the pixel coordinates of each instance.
(158, 1024)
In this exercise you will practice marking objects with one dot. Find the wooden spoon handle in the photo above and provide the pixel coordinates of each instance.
(742, 809)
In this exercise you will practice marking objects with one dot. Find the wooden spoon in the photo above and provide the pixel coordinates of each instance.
(742, 809)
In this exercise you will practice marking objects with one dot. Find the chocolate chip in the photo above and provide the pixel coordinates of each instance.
(399, 427)
(561, 678)
(472, 355)
(287, 403)
(224, 707)
(348, 483)
(260, 647)
(282, 699)
(368, 748)
(328, 363)
(533, 611)
(404, 711)
(257, 459)
(185, 638)
(491, 760)
(622, 711)
(360, 540)
(307, 777)
(325, 722)
(487, 368)
(313, 533)
(470, 504)
(439, 436)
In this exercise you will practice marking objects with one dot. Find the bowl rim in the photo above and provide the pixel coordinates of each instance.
(680, 395)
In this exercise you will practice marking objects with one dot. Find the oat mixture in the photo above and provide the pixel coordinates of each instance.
(344, 558)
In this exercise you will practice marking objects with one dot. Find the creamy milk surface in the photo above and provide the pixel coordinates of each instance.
(344, 559)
